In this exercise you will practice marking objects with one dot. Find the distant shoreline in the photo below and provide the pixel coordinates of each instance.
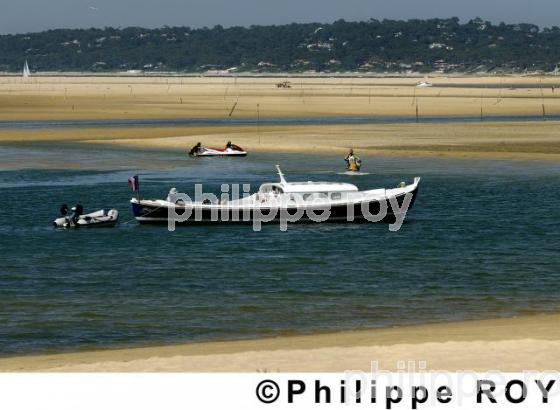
(279, 75)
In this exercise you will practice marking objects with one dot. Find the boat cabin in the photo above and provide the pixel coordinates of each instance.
(306, 187)
(309, 190)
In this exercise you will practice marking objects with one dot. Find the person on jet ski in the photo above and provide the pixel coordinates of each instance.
(196, 149)
(353, 162)
(229, 146)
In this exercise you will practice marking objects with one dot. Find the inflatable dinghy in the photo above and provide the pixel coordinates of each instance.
(101, 218)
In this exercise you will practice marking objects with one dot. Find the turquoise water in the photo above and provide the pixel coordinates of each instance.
(481, 242)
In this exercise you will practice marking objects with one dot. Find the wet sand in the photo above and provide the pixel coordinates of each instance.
(513, 344)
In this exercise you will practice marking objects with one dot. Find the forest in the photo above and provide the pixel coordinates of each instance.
(444, 45)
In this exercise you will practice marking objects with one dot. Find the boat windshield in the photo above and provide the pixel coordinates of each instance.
(267, 188)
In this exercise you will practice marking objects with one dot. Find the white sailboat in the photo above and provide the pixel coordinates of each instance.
(26, 72)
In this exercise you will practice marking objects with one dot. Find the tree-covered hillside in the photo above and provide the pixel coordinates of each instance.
(379, 46)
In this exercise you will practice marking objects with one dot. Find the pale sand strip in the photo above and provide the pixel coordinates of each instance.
(496, 140)
(521, 141)
(512, 344)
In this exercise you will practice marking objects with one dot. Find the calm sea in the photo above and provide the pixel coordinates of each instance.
(481, 242)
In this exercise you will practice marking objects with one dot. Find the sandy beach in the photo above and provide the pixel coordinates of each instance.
(522, 141)
(249, 97)
(79, 98)
(511, 344)
(496, 140)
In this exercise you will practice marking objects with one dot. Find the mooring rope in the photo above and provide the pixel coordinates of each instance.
(133, 219)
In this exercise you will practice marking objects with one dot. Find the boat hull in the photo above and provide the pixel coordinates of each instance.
(222, 154)
(215, 152)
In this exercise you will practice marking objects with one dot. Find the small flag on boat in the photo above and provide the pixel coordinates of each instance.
(133, 183)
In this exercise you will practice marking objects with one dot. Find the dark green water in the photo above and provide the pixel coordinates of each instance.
(481, 241)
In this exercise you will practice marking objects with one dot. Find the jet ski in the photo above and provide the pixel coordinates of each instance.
(77, 219)
(353, 173)
(353, 165)
(231, 150)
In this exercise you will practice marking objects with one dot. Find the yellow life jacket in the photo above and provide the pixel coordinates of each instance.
(352, 166)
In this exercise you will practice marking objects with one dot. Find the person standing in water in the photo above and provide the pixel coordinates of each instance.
(353, 162)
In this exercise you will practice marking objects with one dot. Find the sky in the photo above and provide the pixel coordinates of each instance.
(21, 16)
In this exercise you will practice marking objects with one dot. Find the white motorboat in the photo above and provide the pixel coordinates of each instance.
(101, 218)
(344, 201)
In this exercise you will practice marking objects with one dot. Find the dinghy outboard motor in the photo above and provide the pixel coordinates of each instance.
(63, 219)
(77, 211)
(63, 210)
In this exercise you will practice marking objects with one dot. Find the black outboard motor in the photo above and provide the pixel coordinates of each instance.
(63, 210)
(78, 210)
